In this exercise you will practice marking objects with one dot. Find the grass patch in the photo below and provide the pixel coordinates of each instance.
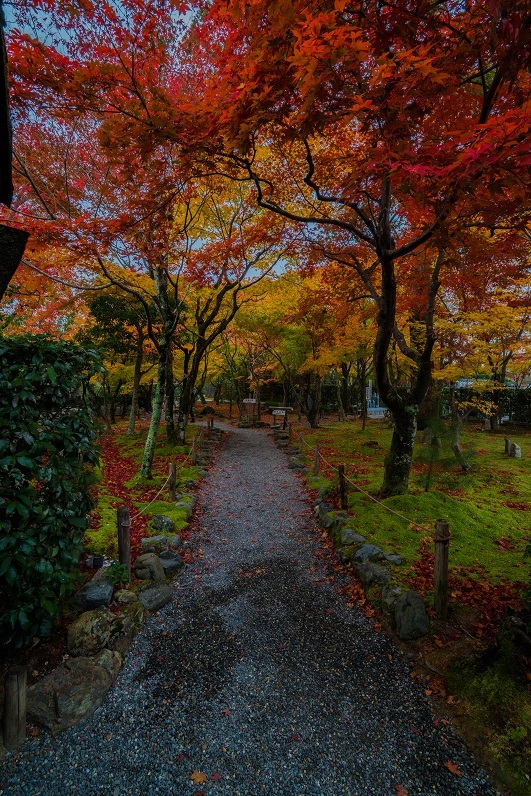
(488, 504)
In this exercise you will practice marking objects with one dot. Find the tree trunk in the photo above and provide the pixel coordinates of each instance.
(313, 400)
(362, 366)
(398, 460)
(341, 408)
(136, 383)
(171, 435)
(345, 386)
(158, 399)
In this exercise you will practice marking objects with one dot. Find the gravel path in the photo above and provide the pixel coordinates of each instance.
(257, 675)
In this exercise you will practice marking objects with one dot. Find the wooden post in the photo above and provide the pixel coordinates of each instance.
(173, 480)
(301, 443)
(290, 432)
(194, 450)
(507, 445)
(317, 460)
(342, 487)
(124, 537)
(201, 438)
(14, 723)
(442, 543)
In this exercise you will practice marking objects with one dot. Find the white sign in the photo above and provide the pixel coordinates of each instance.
(249, 400)
(279, 411)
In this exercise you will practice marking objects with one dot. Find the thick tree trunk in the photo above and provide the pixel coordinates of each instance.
(158, 399)
(12, 244)
(398, 460)
(313, 400)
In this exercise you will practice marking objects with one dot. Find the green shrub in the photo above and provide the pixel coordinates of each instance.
(47, 450)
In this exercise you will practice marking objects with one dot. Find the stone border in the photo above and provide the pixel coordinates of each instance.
(404, 610)
(99, 640)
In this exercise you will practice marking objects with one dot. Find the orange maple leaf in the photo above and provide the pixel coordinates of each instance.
(198, 778)
(400, 790)
(453, 768)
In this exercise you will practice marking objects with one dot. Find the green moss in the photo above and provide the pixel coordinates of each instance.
(473, 504)
(103, 539)
(178, 515)
(495, 696)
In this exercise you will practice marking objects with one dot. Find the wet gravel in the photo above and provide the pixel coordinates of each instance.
(257, 675)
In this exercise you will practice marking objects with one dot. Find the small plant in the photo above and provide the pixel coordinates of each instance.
(117, 573)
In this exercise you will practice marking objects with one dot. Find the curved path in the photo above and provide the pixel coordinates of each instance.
(257, 675)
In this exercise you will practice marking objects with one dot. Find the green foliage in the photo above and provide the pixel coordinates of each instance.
(117, 573)
(47, 451)
(493, 690)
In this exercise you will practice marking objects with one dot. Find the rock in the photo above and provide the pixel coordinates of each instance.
(122, 632)
(349, 537)
(411, 618)
(97, 592)
(390, 594)
(172, 562)
(148, 567)
(174, 542)
(136, 613)
(125, 597)
(367, 552)
(186, 505)
(90, 632)
(295, 464)
(155, 595)
(346, 553)
(69, 694)
(154, 544)
(326, 520)
(515, 451)
(369, 573)
(325, 507)
(393, 558)
(111, 660)
(160, 522)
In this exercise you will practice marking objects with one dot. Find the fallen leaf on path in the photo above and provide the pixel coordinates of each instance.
(216, 776)
(400, 790)
(181, 757)
(453, 768)
(226, 711)
(198, 778)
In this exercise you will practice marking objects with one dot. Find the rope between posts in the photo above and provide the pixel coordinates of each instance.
(375, 500)
(161, 489)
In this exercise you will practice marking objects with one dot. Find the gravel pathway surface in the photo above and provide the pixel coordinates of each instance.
(257, 675)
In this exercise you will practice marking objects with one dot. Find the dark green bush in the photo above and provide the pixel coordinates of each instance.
(47, 452)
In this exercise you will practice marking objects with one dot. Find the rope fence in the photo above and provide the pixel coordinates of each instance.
(164, 485)
(319, 456)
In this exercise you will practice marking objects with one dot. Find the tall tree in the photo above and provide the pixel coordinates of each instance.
(384, 128)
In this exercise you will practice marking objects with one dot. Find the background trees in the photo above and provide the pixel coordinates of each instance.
(392, 139)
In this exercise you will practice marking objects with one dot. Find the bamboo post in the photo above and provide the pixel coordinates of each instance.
(14, 722)
(290, 432)
(317, 460)
(124, 537)
(301, 443)
(194, 450)
(173, 480)
(342, 487)
(442, 543)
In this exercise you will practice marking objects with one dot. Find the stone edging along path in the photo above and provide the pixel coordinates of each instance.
(258, 677)
(99, 639)
(405, 611)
